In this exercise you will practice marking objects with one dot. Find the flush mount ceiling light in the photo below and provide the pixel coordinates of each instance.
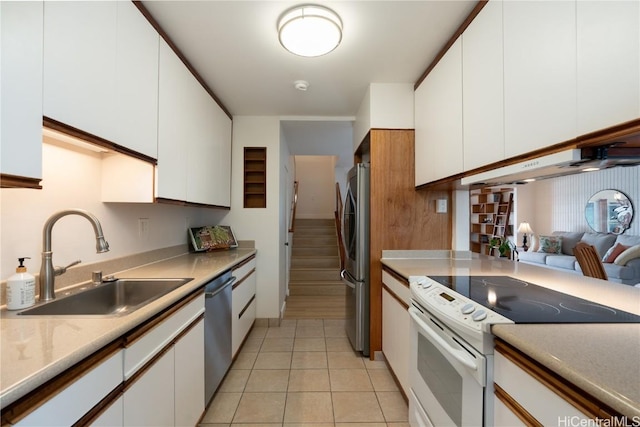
(310, 30)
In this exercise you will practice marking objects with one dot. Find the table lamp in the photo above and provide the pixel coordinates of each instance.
(525, 229)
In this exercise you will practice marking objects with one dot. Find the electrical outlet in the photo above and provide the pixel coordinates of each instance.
(144, 225)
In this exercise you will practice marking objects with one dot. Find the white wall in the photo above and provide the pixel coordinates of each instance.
(72, 179)
(316, 186)
(558, 203)
(260, 224)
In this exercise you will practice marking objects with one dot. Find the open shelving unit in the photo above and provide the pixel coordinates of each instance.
(255, 177)
(490, 216)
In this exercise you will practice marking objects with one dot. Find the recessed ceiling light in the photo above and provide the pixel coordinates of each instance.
(529, 180)
(310, 30)
(590, 169)
(302, 85)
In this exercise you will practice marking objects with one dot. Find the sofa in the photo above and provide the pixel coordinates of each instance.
(620, 253)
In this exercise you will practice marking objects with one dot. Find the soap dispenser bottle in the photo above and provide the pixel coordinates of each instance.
(21, 288)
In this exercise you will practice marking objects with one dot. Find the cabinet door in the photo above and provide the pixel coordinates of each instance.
(243, 310)
(221, 138)
(189, 377)
(395, 338)
(150, 400)
(539, 74)
(608, 63)
(80, 65)
(174, 133)
(112, 416)
(21, 87)
(438, 113)
(136, 81)
(482, 84)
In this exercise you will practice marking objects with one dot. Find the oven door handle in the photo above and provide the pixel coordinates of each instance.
(459, 354)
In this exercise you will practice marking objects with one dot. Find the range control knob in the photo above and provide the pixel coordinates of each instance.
(479, 315)
(467, 308)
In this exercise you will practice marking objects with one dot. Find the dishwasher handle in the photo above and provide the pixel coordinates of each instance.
(217, 290)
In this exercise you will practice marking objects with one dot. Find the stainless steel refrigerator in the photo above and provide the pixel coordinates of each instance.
(355, 223)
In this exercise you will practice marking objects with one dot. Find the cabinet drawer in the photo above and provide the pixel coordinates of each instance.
(140, 350)
(70, 404)
(242, 270)
(243, 290)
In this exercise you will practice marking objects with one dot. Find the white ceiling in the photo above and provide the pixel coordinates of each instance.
(234, 47)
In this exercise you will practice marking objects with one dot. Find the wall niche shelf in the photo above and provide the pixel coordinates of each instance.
(488, 209)
(255, 177)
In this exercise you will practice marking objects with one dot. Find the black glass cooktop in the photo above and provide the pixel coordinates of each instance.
(524, 302)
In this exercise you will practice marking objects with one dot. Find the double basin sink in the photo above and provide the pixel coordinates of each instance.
(110, 298)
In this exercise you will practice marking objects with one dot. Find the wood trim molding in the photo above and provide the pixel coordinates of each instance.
(476, 10)
(395, 296)
(578, 398)
(38, 397)
(239, 282)
(15, 181)
(145, 12)
(96, 140)
(517, 409)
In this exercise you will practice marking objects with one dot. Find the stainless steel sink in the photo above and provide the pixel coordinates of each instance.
(115, 298)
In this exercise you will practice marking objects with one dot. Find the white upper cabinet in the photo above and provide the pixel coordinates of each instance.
(608, 63)
(482, 85)
(21, 88)
(136, 81)
(539, 74)
(438, 119)
(80, 65)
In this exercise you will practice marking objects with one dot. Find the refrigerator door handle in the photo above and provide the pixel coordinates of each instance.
(345, 280)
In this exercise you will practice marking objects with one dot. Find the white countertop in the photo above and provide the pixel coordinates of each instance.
(601, 359)
(35, 349)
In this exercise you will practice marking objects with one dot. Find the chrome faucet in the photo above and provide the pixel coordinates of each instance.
(47, 270)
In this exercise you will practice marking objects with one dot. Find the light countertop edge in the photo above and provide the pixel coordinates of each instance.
(601, 359)
(32, 353)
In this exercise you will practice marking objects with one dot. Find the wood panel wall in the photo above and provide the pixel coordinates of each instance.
(401, 216)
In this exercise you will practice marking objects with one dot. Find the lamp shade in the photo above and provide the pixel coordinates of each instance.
(525, 228)
(310, 30)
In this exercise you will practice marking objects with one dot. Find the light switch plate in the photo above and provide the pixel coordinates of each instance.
(441, 206)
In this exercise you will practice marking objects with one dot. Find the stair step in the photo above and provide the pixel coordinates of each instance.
(314, 251)
(314, 274)
(316, 289)
(314, 222)
(315, 231)
(315, 262)
(307, 241)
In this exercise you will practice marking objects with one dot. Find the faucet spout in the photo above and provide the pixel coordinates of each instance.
(47, 270)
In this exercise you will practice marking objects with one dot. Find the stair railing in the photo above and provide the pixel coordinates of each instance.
(338, 219)
(294, 203)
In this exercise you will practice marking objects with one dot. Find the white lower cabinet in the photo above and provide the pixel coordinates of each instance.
(189, 376)
(243, 303)
(396, 328)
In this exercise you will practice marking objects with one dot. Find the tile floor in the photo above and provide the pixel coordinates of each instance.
(304, 373)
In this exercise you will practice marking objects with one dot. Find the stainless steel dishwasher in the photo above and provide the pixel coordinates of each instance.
(217, 332)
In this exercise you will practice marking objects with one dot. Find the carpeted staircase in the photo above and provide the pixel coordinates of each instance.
(315, 289)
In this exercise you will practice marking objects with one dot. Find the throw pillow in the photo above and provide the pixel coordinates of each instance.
(550, 244)
(626, 256)
(613, 253)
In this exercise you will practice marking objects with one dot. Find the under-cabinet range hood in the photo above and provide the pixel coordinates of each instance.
(558, 164)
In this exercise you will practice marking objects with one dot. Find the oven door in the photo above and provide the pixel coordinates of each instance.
(447, 375)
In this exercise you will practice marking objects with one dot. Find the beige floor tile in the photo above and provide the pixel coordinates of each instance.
(258, 332)
(222, 408)
(344, 360)
(334, 331)
(308, 425)
(309, 380)
(338, 344)
(382, 380)
(356, 407)
(350, 380)
(288, 323)
(277, 344)
(273, 360)
(393, 406)
(235, 381)
(267, 380)
(256, 425)
(260, 408)
(360, 425)
(309, 331)
(252, 344)
(374, 364)
(308, 407)
(305, 323)
(398, 424)
(281, 332)
(244, 360)
(309, 360)
(309, 344)
(334, 323)
(214, 425)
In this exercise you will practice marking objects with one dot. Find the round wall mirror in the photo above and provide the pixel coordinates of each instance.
(609, 211)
